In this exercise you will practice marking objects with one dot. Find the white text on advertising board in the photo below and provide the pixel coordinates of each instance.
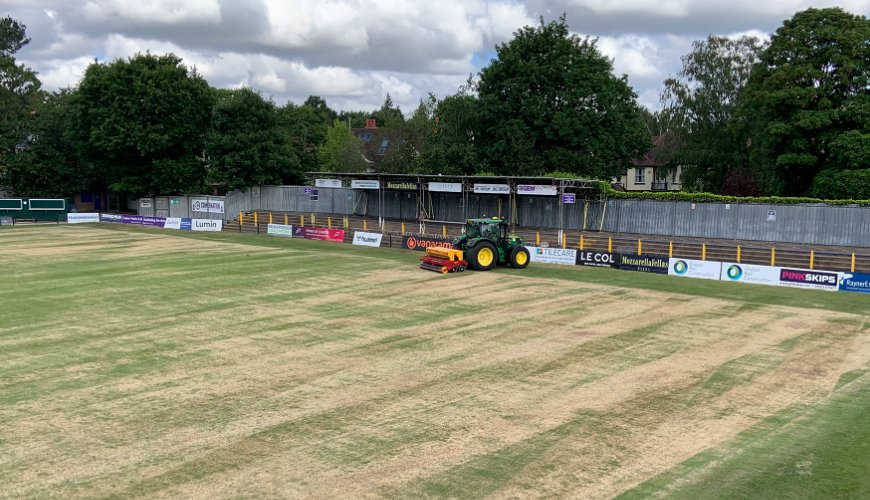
(750, 273)
(804, 278)
(212, 206)
(537, 189)
(446, 187)
(365, 184)
(492, 189)
(703, 269)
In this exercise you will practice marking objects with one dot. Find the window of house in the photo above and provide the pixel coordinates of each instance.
(639, 176)
(383, 148)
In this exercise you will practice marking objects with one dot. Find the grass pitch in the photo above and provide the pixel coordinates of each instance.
(138, 362)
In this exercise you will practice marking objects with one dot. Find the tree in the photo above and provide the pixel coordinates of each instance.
(448, 146)
(247, 145)
(19, 89)
(306, 132)
(803, 99)
(389, 116)
(699, 104)
(341, 152)
(48, 164)
(550, 101)
(142, 124)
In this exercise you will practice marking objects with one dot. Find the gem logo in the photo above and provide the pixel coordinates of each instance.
(681, 267)
(734, 272)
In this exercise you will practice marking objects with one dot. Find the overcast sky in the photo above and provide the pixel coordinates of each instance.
(353, 52)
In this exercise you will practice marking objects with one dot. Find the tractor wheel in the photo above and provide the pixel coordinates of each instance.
(483, 256)
(519, 257)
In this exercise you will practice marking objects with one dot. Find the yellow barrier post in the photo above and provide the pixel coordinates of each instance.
(537, 238)
(443, 231)
(329, 222)
(772, 256)
(285, 219)
(270, 217)
(738, 254)
(241, 218)
(671, 249)
(301, 221)
(346, 222)
(639, 247)
(564, 240)
(812, 258)
(313, 221)
(610, 244)
(581, 242)
(403, 228)
(852, 269)
(256, 224)
(703, 251)
(365, 225)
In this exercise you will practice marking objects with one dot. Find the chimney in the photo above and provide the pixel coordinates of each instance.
(371, 123)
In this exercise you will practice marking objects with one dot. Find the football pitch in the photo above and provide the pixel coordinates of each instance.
(146, 362)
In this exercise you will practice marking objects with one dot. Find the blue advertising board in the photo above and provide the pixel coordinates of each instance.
(854, 282)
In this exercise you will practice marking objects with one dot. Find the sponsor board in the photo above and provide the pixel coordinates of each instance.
(537, 189)
(689, 268)
(749, 273)
(569, 198)
(492, 189)
(131, 219)
(82, 218)
(854, 282)
(205, 205)
(6, 221)
(327, 183)
(172, 223)
(113, 218)
(446, 187)
(422, 242)
(213, 225)
(154, 221)
(365, 184)
(546, 255)
(186, 224)
(145, 203)
(806, 278)
(319, 233)
(401, 185)
(644, 263)
(367, 239)
(280, 230)
(597, 259)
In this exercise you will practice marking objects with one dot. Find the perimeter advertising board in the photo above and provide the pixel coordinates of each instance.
(644, 263)
(597, 259)
(212, 225)
(367, 239)
(365, 184)
(537, 189)
(492, 189)
(82, 218)
(422, 242)
(319, 233)
(807, 278)
(546, 255)
(689, 268)
(445, 187)
(327, 183)
(854, 282)
(749, 273)
(279, 230)
(173, 223)
(206, 205)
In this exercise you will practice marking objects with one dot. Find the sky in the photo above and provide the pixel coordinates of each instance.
(353, 53)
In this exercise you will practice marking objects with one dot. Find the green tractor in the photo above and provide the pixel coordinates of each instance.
(487, 242)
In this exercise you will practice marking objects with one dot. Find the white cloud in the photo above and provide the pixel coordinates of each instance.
(153, 11)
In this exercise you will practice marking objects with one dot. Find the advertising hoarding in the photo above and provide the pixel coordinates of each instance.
(597, 259)
(547, 255)
(749, 273)
(206, 205)
(445, 187)
(422, 242)
(689, 268)
(807, 278)
(319, 233)
(82, 218)
(280, 230)
(212, 225)
(327, 183)
(367, 239)
(537, 189)
(492, 189)
(365, 184)
(644, 263)
(854, 282)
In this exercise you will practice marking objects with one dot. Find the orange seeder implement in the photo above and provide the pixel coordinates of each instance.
(443, 260)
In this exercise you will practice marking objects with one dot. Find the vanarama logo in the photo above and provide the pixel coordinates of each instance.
(734, 272)
(422, 242)
(681, 267)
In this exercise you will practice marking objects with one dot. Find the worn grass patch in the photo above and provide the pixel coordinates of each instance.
(141, 362)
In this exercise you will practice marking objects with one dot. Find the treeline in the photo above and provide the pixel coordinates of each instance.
(787, 118)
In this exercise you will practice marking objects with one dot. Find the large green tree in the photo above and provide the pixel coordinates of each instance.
(699, 104)
(141, 122)
(48, 164)
(247, 144)
(448, 146)
(804, 100)
(341, 151)
(19, 89)
(550, 101)
(306, 130)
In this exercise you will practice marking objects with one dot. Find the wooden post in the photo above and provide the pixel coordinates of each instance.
(738, 254)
